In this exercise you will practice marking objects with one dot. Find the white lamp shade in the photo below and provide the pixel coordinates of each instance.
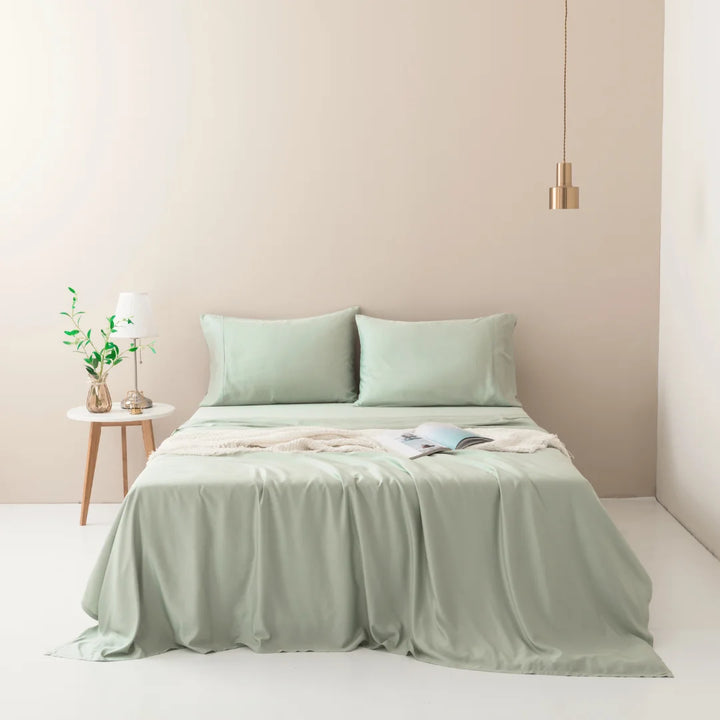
(136, 307)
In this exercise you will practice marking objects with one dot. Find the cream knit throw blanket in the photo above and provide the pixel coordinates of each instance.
(230, 441)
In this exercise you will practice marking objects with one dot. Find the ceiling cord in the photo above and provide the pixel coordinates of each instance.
(565, 84)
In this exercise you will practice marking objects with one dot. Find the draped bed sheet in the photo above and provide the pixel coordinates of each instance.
(491, 561)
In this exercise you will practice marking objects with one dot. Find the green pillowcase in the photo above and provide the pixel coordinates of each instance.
(262, 362)
(447, 362)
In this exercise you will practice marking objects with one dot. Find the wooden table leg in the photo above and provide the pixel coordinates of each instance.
(148, 437)
(123, 440)
(93, 443)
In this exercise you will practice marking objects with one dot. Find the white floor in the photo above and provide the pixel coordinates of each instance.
(45, 558)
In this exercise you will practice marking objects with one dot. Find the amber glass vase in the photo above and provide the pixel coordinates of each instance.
(98, 397)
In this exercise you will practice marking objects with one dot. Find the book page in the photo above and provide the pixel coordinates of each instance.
(451, 436)
(409, 444)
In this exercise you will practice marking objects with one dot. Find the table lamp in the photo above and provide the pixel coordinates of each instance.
(136, 307)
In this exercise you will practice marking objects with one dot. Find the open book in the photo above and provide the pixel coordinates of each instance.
(428, 439)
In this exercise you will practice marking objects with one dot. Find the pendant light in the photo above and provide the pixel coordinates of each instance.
(564, 196)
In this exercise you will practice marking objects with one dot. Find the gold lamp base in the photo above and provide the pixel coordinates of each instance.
(135, 400)
(565, 195)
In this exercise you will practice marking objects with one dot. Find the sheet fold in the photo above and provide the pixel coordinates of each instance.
(210, 441)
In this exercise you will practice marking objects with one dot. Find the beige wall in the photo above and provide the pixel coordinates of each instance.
(689, 392)
(272, 158)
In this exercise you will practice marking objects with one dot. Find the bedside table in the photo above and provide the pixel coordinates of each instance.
(117, 417)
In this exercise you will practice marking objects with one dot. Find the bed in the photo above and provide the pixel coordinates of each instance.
(476, 559)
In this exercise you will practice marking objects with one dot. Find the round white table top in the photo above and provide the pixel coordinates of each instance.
(119, 415)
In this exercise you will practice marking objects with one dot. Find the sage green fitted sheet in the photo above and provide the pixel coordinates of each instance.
(482, 560)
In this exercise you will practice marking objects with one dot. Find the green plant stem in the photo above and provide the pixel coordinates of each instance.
(87, 341)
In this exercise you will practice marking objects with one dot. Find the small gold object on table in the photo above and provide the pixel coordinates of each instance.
(135, 409)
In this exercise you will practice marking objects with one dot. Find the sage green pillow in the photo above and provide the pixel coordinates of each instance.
(263, 362)
(446, 362)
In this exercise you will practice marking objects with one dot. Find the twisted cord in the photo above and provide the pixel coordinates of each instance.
(565, 84)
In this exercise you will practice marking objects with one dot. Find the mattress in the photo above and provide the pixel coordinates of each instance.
(490, 561)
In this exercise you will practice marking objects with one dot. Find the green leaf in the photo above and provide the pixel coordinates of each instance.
(92, 372)
(66, 314)
(67, 342)
(72, 332)
(71, 290)
(152, 349)
(133, 348)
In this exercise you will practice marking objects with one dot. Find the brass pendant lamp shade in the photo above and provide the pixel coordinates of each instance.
(564, 195)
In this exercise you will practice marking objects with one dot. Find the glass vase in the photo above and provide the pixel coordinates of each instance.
(98, 397)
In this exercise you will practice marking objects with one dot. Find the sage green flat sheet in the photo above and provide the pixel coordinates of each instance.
(482, 560)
